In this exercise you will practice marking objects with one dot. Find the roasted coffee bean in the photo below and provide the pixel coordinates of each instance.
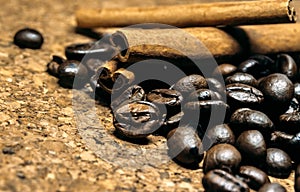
(265, 61)
(278, 92)
(252, 146)
(52, 66)
(272, 187)
(243, 78)
(70, 69)
(98, 50)
(28, 38)
(220, 134)
(225, 70)
(254, 177)
(294, 106)
(171, 123)
(204, 94)
(278, 163)
(220, 181)
(297, 179)
(222, 156)
(248, 119)
(189, 84)
(169, 98)
(133, 93)
(290, 122)
(216, 85)
(254, 67)
(184, 145)
(287, 65)
(242, 95)
(137, 119)
(297, 91)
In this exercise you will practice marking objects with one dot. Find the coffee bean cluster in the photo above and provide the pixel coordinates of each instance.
(257, 136)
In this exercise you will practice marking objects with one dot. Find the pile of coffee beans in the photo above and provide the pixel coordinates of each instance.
(258, 135)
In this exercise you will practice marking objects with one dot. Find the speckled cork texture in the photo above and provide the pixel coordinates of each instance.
(42, 148)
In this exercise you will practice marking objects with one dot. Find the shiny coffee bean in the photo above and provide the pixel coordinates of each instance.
(216, 85)
(171, 123)
(254, 177)
(220, 134)
(287, 65)
(248, 119)
(290, 122)
(278, 92)
(137, 119)
(252, 146)
(204, 94)
(70, 69)
(28, 38)
(242, 95)
(133, 93)
(297, 91)
(222, 156)
(220, 181)
(243, 78)
(297, 179)
(189, 84)
(52, 66)
(272, 187)
(225, 70)
(184, 145)
(278, 163)
(265, 61)
(254, 67)
(294, 106)
(169, 98)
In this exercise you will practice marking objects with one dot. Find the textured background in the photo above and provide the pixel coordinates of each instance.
(42, 149)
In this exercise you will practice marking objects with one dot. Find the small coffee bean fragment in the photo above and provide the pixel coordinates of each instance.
(28, 38)
(297, 179)
(252, 146)
(222, 156)
(272, 187)
(243, 78)
(184, 145)
(287, 65)
(254, 177)
(220, 134)
(221, 181)
(278, 163)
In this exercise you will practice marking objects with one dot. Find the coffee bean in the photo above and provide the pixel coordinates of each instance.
(242, 95)
(204, 94)
(189, 84)
(220, 181)
(252, 146)
(297, 91)
(171, 123)
(278, 163)
(28, 38)
(70, 69)
(216, 85)
(272, 187)
(184, 145)
(287, 65)
(137, 119)
(220, 134)
(243, 78)
(265, 61)
(222, 156)
(297, 179)
(254, 67)
(290, 122)
(52, 66)
(225, 70)
(254, 177)
(248, 119)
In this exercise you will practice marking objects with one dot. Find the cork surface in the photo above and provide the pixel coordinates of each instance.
(54, 139)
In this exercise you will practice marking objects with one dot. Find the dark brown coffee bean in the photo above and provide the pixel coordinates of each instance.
(254, 177)
(204, 94)
(52, 66)
(169, 98)
(297, 179)
(278, 163)
(216, 85)
(242, 95)
(254, 68)
(225, 70)
(297, 91)
(248, 119)
(272, 187)
(133, 93)
(189, 84)
(220, 134)
(265, 61)
(137, 119)
(278, 92)
(28, 38)
(243, 78)
(290, 122)
(70, 69)
(184, 145)
(287, 65)
(220, 181)
(252, 146)
(222, 156)
(171, 123)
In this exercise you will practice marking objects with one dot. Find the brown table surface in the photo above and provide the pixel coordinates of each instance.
(37, 122)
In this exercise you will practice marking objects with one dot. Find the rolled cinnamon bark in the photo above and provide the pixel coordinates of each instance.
(224, 44)
(105, 75)
(122, 78)
(204, 14)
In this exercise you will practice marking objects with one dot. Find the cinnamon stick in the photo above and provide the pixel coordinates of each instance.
(201, 14)
(105, 74)
(224, 44)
